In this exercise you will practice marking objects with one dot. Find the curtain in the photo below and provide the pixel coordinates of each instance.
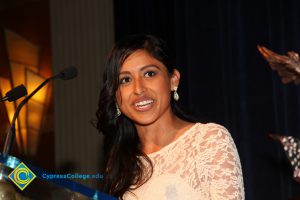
(226, 80)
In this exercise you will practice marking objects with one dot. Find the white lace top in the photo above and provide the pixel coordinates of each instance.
(202, 164)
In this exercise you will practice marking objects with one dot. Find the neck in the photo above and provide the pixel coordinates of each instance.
(162, 132)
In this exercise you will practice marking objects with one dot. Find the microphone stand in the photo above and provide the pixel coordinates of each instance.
(12, 131)
(66, 74)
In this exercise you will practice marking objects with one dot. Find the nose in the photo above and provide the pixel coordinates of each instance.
(139, 87)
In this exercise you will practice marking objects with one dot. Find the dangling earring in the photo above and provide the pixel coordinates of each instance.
(118, 111)
(175, 94)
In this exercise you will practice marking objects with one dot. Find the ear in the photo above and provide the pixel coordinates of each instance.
(175, 79)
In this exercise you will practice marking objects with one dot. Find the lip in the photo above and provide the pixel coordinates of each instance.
(143, 104)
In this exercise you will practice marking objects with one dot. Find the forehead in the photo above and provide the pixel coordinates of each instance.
(139, 59)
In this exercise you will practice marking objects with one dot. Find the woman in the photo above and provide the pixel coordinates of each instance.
(154, 151)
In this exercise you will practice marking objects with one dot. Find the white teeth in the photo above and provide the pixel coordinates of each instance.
(143, 103)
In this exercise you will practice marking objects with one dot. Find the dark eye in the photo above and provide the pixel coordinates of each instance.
(124, 80)
(150, 74)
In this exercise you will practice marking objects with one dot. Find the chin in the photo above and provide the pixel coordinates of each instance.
(144, 121)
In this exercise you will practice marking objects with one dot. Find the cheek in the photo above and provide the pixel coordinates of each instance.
(163, 91)
(166, 95)
(165, 87)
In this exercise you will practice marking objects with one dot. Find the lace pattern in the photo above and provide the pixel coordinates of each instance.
(201, 164)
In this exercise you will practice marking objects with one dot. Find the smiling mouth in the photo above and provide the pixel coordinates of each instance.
(144, 105)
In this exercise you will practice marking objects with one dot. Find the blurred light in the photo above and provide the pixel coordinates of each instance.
(12, 162)
(18, 77)
(5, 86)
(33, 80)
(24, 57)
(20, 50)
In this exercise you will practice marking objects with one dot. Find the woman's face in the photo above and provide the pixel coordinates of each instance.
(145, 88)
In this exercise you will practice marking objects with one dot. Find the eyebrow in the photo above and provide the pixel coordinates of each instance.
(142, 69)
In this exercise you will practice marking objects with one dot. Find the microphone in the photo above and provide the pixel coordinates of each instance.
(15, 94)
(66, 74)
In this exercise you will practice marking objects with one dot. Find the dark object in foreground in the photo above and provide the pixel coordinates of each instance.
(291, 147)
(288, 67)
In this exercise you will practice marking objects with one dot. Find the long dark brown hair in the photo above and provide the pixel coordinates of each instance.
(123, 158)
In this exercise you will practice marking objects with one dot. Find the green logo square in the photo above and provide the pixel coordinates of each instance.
(21, 176)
